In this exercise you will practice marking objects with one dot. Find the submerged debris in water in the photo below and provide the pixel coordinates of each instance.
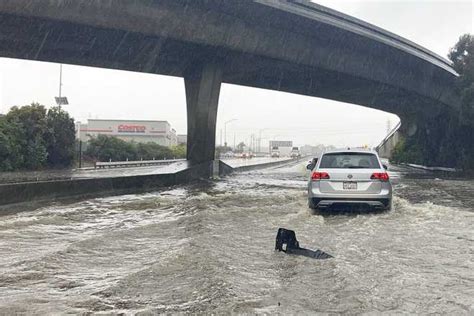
(286, 241)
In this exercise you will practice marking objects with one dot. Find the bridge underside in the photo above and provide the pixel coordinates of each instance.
(37, 39)
(335, 65)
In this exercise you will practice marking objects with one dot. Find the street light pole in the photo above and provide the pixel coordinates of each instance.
(60, 79)
(61, 100)
(220, 143)
(225, 130)
(60, 82)
(260, 138)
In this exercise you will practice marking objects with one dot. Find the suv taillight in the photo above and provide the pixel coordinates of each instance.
(316, 176)
(382, 176)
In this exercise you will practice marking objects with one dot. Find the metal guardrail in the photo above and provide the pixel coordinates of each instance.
(385, 140)
(137, 163)
(445, 169)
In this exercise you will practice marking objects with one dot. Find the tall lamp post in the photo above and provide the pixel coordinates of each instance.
(225, 130)
(61, 100)
(260, 138)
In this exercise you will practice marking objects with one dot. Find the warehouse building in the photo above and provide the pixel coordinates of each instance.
(159, 132)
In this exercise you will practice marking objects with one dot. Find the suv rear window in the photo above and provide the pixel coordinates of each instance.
(349, 160)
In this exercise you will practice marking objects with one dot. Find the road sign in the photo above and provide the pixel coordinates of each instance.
(281, 143)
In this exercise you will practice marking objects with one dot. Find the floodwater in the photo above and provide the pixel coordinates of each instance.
(209, 248)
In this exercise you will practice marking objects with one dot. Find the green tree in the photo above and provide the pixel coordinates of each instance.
(407, 152)
(462, 56)
(179, 151)
(105, 148)
(11, 157)
(60, 138)
(32, 124)
(149, 151)
(32, 138)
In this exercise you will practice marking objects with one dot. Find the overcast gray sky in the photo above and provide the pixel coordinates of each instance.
(102, 93)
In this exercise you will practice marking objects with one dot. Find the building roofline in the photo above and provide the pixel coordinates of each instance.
(121, 120)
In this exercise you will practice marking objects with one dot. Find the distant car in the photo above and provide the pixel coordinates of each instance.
(275, 152)
(247, 155)
(347, 178)
(295, 153)
(228, 154)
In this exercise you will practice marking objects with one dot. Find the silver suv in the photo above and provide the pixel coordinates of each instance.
(342, 178)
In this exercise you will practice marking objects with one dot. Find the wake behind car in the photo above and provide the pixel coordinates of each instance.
(343, 178)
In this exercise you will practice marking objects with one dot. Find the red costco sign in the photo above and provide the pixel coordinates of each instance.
(131, 129)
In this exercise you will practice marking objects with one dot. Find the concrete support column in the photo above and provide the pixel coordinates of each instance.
(203, 85)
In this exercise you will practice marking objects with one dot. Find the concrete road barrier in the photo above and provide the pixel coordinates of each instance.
(13, 193)
(136, 163)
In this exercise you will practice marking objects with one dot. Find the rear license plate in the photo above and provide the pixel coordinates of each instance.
(349, 185)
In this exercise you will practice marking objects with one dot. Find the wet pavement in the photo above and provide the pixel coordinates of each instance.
(208, 248)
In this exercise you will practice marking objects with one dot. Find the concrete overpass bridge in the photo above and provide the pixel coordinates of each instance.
(287, 45)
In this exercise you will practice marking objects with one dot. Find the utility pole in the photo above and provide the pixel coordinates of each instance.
(80, 154)
(260, 138)
(60, 79)
(61, 100)
(234, 141)
(220, 143)
(225, 130)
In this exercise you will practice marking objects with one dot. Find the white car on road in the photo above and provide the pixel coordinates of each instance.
(347, 177)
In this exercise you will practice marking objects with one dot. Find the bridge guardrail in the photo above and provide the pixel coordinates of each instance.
(137, 163)
(385, 140)
(445, 169)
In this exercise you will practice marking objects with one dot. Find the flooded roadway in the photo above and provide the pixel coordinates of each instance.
(208, 248)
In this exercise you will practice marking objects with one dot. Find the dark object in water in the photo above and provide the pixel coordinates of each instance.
(286, 241)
